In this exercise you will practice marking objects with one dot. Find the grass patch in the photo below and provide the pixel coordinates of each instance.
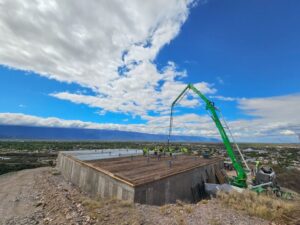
(263, 206)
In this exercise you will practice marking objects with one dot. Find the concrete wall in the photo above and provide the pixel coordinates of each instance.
(175, 187)
(93, 182)
(159, 192)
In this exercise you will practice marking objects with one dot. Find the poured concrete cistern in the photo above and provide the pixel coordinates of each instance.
(126, 174)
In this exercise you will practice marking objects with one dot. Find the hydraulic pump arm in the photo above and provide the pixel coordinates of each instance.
(240, 179)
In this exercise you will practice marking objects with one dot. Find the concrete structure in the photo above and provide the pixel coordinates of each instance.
(148, 180)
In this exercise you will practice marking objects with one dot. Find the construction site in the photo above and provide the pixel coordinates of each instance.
(164, 176)
(162, 184)
(165, 112)
(131, 176)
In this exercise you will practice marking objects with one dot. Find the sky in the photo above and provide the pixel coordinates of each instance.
(119, 65)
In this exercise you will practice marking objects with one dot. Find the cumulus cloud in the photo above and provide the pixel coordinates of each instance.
(107, 46)
(272, 117)
(276, 109)
(139, 102)
(261, 128)
(29, 120)
(187, 124)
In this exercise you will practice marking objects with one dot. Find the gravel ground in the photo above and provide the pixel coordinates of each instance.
(42, 196)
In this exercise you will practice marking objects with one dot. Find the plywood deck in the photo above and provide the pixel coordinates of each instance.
(138, 170)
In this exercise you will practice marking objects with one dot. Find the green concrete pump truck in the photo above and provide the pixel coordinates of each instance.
(265, 177)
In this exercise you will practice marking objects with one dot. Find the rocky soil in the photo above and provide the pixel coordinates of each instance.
(42, 196)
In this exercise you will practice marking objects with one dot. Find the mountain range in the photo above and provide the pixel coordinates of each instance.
(72, 134)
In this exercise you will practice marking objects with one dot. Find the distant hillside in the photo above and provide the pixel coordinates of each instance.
(56, 133)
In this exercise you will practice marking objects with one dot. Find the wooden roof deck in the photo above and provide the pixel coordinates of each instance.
(138, 170)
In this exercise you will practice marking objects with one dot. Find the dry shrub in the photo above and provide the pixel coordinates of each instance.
(180, 220)
(165, 209)
(111, 211)
(188, 209)
(204, 201)
(260, 205)
(214, 222)
(177, 211)
(125, 204)
(178, 208)
(91, 204)
(179, 203)
(55, 172)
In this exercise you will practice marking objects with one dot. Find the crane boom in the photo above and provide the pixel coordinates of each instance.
(240, 179)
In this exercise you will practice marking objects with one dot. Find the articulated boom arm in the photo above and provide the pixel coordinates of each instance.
(241, 178)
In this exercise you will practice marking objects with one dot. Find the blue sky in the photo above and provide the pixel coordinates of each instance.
(61, 70)
(238, 41)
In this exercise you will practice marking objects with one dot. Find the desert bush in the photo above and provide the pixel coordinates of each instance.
(263, 206)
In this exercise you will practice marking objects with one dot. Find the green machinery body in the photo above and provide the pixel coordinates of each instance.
(241, 178)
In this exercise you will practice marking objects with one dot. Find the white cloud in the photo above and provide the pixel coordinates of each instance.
(108, 46)
(288, 132)
(29, 120)
(223, 98)
(264, 127)
(272, 118)
(276, 109)
(185, 125)
(138, 102)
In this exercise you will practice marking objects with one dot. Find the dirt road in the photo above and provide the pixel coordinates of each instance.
(42, 196)
(18, 194)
